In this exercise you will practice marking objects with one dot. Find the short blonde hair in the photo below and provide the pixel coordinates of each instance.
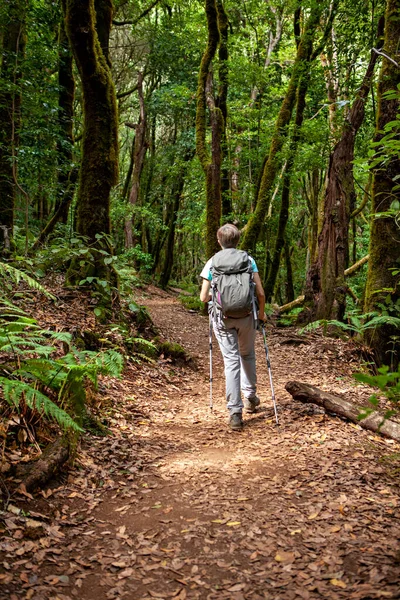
(228, 235)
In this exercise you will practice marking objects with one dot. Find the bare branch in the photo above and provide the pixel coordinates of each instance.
(386, 56)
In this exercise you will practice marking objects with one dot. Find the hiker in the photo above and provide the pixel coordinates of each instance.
(235, 334)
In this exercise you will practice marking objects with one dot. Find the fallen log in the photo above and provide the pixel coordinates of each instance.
(288, 307)
(348, 273)
(335, 404)
(40, 471)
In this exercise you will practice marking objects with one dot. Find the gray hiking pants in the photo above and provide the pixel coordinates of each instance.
(236, 339)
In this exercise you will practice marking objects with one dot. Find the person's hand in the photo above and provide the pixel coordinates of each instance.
(262, 316)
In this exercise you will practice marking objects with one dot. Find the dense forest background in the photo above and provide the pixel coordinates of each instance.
(131, 130)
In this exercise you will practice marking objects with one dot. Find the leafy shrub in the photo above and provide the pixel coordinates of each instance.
(55, 387)
(389, 385)
(33, 372)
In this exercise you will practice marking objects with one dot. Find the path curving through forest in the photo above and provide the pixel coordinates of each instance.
(175, 505)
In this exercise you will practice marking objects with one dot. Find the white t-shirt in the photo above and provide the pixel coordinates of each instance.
(206, 272)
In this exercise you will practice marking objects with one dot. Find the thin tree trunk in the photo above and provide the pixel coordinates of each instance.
(325, 287)
(177, 193)
(383, 277)
(66, 95)
(289, 273)
(128, 177)
(13, 49)
(273, 162)
(67, 173)
(221, 102)
(284, 212)
(210, 163)
(138, 162)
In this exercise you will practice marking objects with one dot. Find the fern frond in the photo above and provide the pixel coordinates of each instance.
(110, 363)
(73, 390)
(16, 275)
(143, 357)
(14, 390)
(382, 320)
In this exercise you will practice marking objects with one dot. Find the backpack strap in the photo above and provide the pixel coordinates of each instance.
(216, 314)
(253, 292)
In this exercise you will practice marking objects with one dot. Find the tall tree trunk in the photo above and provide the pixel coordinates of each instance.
(221, 102)
(383, 277)
(272, 163)
(211, 164)
(129, 172)
(99, 166)
(140, 150)
(67, 173)
(284, 212)
(329, 63)
(289, 273)
(325, 295)
(177, 193)
(13, 48)
(66, 96)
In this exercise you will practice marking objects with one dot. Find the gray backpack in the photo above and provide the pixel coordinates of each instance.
(232, 285)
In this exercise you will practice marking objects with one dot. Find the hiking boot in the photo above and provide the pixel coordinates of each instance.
(236, 422)
(250, 404)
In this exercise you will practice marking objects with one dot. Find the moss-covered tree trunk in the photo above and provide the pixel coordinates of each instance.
(325, 295)
(13, 48)
(211, 160)
(99, 166)
(221, 102)
(139, 154)
(272, 162)
(383, 280)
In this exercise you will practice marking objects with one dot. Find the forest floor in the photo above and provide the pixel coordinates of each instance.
(175, 505)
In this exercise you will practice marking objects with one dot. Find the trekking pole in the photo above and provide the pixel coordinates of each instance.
(269, 372)
(210, 344)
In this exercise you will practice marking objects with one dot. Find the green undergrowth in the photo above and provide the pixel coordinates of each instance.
(191, 302)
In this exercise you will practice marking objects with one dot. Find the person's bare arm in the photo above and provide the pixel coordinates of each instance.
(205, 291)
(260, 297)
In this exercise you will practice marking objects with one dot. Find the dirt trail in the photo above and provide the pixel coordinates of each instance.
(175, 505)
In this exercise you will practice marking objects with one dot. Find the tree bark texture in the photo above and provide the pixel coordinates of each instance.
(210, 162)
(99, 166)
(325, 286)
(272, 163)
(312, 190)
(384, 247)
(139, 154)
(335, 404)
(13, 48)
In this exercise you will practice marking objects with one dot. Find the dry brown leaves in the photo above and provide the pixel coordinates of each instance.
(174, 505)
